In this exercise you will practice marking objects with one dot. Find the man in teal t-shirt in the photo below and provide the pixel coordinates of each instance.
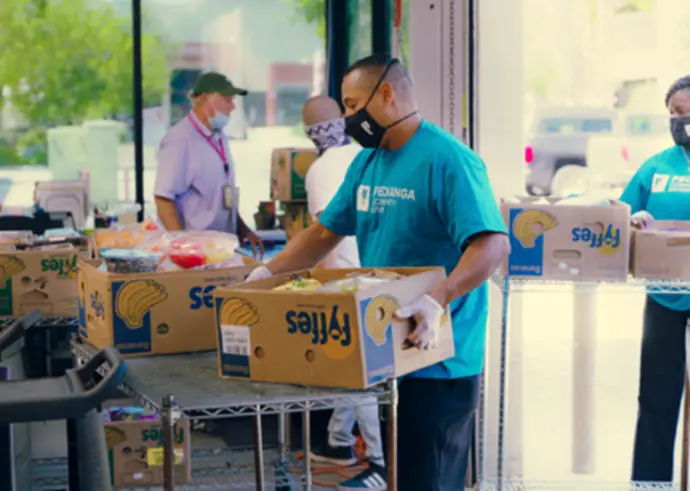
(416, 196)
(660, 190)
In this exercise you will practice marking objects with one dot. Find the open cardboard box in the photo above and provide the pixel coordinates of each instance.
(135, 453)
(39, 280)
(661, 253)
(319, 338)
(567, 241)
(152, 313)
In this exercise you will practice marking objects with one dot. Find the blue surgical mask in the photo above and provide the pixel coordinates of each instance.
(219, 121)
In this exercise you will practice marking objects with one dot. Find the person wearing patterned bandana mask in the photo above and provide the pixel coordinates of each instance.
(325, 126)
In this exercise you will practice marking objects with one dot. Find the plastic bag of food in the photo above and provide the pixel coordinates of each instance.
(192, 250)
(353, 284)
(122, 237)
(300, 285)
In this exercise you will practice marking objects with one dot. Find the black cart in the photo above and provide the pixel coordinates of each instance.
(74, 397)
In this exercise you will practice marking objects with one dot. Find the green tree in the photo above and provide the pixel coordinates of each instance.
(65, 61)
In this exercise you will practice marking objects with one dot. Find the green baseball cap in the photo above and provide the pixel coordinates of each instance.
(213, 82)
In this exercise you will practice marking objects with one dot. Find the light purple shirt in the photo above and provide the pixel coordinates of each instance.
(190, 173)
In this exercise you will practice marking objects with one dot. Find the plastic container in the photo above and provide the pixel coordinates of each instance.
(130, 261)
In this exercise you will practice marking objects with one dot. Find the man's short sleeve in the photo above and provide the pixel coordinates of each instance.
(464, 198)
(636, 193)
(340, 216)
(172, 175)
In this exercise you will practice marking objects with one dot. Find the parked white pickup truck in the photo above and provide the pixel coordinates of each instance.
(572, 149)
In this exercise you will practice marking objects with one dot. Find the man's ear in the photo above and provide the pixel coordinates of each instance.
(387, 91)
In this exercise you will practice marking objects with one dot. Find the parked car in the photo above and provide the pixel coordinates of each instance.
(564, 140)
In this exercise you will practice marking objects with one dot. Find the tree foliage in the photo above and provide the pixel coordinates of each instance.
(64, 61)
(311, 12)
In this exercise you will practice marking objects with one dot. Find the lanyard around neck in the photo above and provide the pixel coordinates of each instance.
(219, 149)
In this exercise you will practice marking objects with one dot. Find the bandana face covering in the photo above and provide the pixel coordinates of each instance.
(328, 134)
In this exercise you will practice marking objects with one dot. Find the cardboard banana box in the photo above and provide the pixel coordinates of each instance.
(135, 452)
(661, 252)
(561, 241)
(39, 280)
(330, 339)
(153, 313)
(289, 168)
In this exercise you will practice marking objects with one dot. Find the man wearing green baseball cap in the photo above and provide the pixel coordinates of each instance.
(196, 181)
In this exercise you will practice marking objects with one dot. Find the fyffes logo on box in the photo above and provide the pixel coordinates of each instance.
(604, 237)
(65, 266)
(328, 328)
(156, 435)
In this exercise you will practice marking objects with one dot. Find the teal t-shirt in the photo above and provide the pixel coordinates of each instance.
(662, 188)
(419, 206)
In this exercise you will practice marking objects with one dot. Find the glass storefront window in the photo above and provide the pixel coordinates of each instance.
(66, 94)
(273, 48)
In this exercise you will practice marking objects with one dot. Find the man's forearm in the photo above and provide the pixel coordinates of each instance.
(167, 213)
(478, 263)
(306, 250)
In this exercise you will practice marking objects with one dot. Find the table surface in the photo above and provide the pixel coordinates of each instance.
(194, 382)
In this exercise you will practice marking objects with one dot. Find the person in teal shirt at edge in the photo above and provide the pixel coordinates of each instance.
(660, 190)
(416, 196)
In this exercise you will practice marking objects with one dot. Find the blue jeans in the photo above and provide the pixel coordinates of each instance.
(662, 379)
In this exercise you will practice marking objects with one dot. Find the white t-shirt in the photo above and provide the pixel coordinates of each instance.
(323, 180)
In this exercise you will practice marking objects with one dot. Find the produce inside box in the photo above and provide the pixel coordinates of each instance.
(141, 250)
(326, 327)
(157, 297)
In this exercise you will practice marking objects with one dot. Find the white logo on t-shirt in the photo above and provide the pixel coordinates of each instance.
(659, 182)
(363, 198)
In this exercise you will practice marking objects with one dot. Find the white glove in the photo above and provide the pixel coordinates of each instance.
(259, 274)
(427, 314)
(642, 220)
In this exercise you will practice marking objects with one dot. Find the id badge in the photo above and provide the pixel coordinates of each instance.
(228, 197)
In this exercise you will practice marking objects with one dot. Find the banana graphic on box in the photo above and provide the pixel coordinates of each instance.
(10, 265)
(114, 436)
(136, 298)
(378, 316)
(239, 312)
(530, 224)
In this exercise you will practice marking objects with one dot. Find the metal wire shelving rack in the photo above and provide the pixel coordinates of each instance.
(511, 285)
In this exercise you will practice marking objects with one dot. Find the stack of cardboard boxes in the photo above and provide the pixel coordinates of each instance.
(289, 167)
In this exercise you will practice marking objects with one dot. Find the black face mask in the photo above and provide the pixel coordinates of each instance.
(680, 131)
(363, 127)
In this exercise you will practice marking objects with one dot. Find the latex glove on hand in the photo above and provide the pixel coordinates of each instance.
(427, 314)
(259, 274)
(642, 220)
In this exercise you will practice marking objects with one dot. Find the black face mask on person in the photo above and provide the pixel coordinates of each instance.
(680, 131)
(363, 127)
